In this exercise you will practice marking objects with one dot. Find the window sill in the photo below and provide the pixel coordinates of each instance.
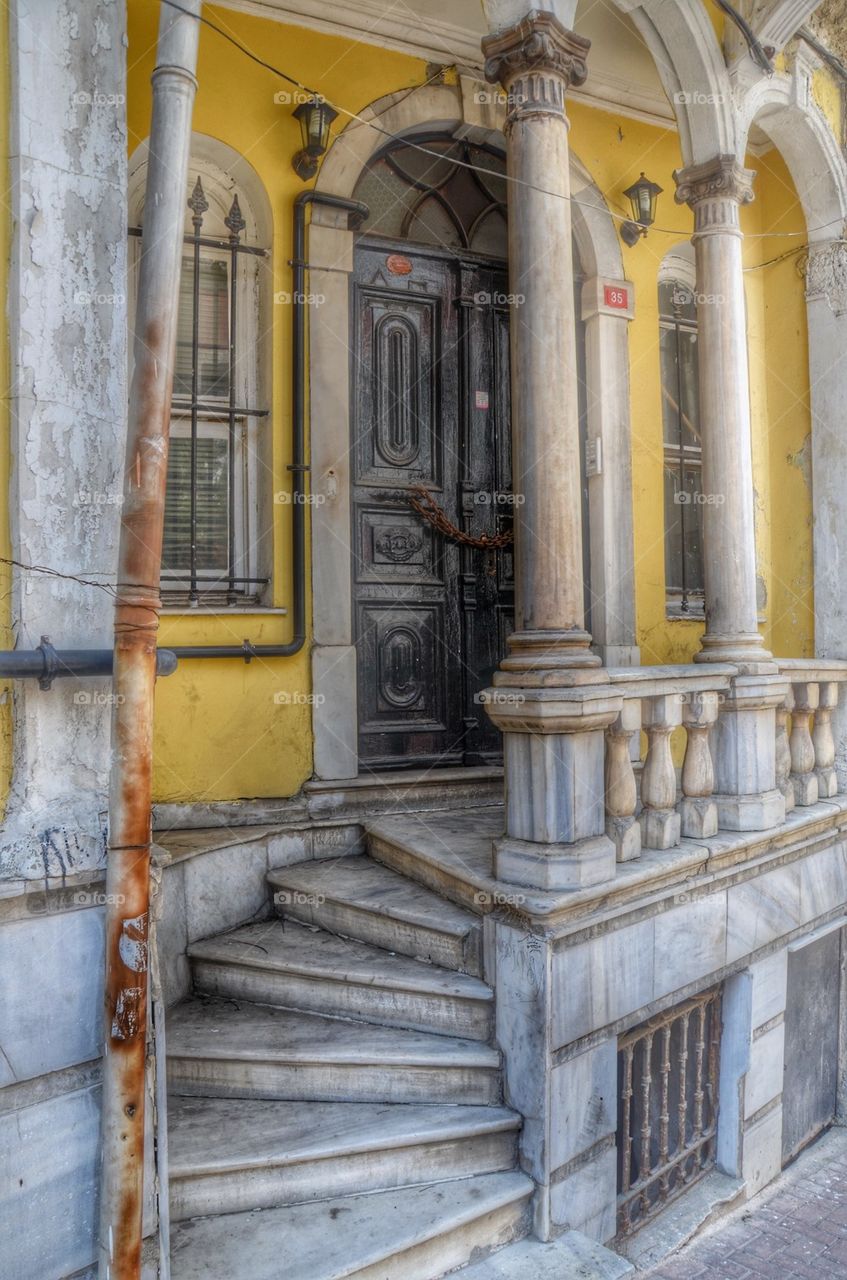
(694, 613)
(222, 611)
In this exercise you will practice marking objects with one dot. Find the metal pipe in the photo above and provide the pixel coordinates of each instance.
(298, 465)
(46, 664)
(136, 624)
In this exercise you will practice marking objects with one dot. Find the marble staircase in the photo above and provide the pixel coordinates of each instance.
(335, 1095)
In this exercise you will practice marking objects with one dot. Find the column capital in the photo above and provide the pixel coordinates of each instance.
(715, 190)
(536, 61)
(825, 271)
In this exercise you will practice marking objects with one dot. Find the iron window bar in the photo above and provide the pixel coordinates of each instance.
(667, 1107)
(226, 408)
(679, 325)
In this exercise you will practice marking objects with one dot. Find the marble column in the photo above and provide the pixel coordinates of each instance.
(551, 699)
(747, 796)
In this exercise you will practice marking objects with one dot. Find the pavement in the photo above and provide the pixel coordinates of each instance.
(794, 1230)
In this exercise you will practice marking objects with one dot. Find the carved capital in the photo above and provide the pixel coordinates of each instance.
(715, 190)
(825, 269)
(536, 62)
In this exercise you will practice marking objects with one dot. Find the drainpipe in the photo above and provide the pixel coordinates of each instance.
(136, 625)
(298, 465)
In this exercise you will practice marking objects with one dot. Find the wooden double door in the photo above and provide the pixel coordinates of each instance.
(430, 397)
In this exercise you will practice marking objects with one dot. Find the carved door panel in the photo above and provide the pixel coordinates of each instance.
(430, 368)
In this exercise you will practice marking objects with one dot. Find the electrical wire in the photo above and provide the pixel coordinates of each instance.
(436, 155)
(757, 53)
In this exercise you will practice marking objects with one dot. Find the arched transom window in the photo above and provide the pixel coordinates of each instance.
(438, 190)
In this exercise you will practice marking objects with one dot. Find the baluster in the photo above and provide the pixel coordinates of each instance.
(660, 823)
(698, 810)
(802, 748)
(621, 791)
(783, 751)
(824, 742)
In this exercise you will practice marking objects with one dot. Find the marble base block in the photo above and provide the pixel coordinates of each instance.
(827, 783)
(554, 866)
(625, 835)
(805, 788)
(757, 812)
(660, 828)
(699, 816)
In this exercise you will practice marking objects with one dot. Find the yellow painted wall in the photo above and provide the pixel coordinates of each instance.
(6, 637)
(219, 732)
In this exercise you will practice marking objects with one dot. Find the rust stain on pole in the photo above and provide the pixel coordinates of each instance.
(136, 626)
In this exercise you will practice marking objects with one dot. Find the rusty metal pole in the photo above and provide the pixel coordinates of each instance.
(136, 627)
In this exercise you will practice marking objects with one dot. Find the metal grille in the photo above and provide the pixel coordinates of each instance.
(201, 556)
(667, 1107)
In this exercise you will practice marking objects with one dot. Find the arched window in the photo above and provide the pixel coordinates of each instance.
(437, 200)
(681, 433)
(212, 538)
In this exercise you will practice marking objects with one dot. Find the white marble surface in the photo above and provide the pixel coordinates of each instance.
(689, 942)
(585, 1199)
(596, 982)
(761, 1158)
(764, 1075)
(225, 888)
(770, 984)
(50, 1015)
(583, 1096)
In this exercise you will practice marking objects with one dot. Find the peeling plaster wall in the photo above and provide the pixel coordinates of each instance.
(67, 357)
(68, 408)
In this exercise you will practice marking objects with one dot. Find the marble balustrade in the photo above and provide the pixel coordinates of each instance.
(651, 804)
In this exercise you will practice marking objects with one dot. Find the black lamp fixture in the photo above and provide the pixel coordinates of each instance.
(315, 116)
(642, 196)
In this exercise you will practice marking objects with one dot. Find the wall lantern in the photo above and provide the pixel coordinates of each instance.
(642, 196)
(315, 116)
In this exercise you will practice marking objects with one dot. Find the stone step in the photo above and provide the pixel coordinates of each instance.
(361, 899)
(219, 1049)
(295, 967)
(572, 1257)
(447, 854)
(416, 1233)
(230, 1155)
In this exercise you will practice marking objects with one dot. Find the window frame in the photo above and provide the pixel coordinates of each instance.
(252, 508)
(681, 602)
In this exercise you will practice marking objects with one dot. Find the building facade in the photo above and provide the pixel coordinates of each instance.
(500, 872)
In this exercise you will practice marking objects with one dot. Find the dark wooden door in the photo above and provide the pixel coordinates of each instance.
(430, 402)
(812, 1013)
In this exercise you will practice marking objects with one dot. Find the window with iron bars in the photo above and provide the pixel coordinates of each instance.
(667, 1107)
(211, 535)
(682, 448)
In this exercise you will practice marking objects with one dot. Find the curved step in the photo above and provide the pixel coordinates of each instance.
(230, 1155)
(289, 965)
(359, 898)
(218, 1049)
(412, 1234)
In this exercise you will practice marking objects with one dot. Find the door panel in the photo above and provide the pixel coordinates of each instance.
(430, 397)
(811, 1042)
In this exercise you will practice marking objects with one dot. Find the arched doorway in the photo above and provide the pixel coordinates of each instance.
(433, 599)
